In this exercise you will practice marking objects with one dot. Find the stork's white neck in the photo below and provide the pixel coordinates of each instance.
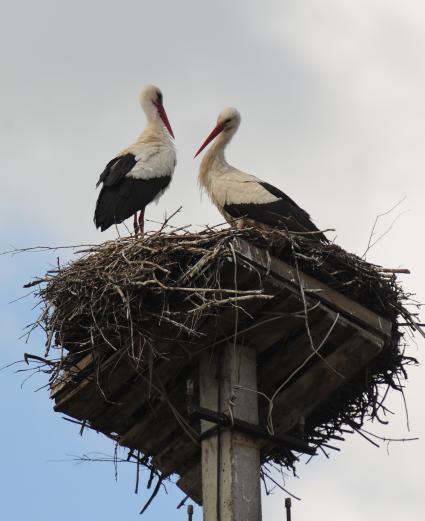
(155, 127)
(214, 161)
(155, 130)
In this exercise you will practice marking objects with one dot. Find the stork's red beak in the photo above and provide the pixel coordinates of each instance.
(216, 131)
(163, 116)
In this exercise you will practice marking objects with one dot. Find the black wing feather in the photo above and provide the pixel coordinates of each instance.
(116, 169)
(278, 193)
(120, 201)
(121, 196)
(281, 213)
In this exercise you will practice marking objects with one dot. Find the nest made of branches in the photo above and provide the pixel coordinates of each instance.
(127, 288)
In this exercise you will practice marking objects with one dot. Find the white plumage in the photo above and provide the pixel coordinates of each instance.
(152, 160)
(243, 198)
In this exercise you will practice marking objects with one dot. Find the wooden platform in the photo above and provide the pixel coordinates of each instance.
(115, 398)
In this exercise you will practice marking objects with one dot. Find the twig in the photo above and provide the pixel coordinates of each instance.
(372, 233)
(154, 493)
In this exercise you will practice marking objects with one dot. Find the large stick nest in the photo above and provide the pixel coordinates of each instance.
(161, 289)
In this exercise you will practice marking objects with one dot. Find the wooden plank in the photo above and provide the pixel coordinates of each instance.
(66, 381)
(303, 396)
(291, 354)
(280, 269)
(139, 395)
(180, 450)
(148, 432)
(119, 416)
(98, 396)
(97, 388)
(158, 422)
(268, 327)
(191, 483)
(320, 308)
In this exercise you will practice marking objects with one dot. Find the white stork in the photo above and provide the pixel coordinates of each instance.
(242, 196)
(141, 172)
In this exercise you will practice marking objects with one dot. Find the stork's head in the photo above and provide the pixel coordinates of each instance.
(228, 122)
(151, 100)
(229, 119)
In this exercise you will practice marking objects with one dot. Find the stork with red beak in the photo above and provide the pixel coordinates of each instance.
(141, 172)
(243, 199)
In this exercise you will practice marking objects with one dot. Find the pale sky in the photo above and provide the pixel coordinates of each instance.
(332, 100)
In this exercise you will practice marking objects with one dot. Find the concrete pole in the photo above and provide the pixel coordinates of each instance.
(231, 488)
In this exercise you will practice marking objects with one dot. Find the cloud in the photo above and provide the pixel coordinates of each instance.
(331, 96)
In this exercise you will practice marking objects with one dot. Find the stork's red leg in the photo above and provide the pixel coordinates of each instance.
(136, 225)
(142, 222)
(241, 223)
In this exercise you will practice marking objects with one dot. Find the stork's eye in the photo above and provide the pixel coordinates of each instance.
(159, 98)
(226, 121)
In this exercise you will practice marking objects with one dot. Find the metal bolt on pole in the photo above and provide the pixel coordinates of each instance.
(288, 508)
(189, 512)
